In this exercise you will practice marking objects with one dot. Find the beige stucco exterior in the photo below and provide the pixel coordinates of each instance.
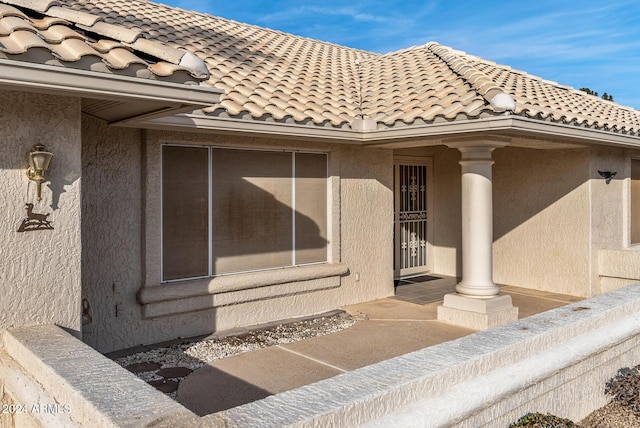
(558, 226)
(40, 270)
(554, 216)
(542, 219)
(512, 167)
(121, 224)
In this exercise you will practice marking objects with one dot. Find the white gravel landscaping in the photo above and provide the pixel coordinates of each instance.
(195, 354)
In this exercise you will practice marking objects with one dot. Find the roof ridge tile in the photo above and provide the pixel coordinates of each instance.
(116, 32)
(38, 5)
(479, 81)
(158, 50)
(28, 33)
(75, 16)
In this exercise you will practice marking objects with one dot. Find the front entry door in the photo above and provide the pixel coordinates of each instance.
(411, 217)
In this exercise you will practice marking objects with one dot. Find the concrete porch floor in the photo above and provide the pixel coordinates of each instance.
(385, 328)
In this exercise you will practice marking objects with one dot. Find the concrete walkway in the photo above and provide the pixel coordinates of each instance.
(384, 329)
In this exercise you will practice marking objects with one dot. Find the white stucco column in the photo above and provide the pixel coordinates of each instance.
(477, 303)
(477, 223)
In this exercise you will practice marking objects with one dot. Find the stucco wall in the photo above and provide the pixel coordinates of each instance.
(40, 270)
(616, 263)
(552, 214)
(542, 219)
(366, 222)
(447, 211)
(121, 215)
(541, 209)
(111, 214)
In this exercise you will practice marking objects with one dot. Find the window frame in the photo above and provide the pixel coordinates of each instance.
(154, 259)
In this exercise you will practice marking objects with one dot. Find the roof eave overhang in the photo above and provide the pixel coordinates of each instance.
(152, 97)
(508, 125)
(405, 136)
(250, 128)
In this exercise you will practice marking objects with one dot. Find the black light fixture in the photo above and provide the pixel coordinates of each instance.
(607, 175)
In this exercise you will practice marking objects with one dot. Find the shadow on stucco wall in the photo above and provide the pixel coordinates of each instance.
(542, 206)
(528, 181)
(113, 231)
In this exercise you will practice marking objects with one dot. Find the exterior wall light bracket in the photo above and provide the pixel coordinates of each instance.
(607, 175)
(39, 160)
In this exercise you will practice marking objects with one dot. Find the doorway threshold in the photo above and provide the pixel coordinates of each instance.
(424, 289)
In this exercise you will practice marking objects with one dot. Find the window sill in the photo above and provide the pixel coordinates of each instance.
(194, 295)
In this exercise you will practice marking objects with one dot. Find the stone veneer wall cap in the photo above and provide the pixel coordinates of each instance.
(79, 376)
(393, 391)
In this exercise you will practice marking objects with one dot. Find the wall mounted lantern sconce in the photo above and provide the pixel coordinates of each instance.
(607, 175)
(39, 160)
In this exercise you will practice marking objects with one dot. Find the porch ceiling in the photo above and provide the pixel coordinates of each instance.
(116, 111)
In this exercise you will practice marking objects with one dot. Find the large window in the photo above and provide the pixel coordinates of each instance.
(229, 211)
(635, 201)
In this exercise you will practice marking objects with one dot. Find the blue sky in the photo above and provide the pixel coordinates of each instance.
(586, 43)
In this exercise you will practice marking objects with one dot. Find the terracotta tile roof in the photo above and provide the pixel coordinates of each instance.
(416, 86)
(550, 101)
(45, 32)
(272, 76)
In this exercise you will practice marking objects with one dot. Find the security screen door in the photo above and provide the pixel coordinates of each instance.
(411, 224)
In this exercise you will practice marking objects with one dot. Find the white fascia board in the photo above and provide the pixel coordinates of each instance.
(380, 138)
(200, 123)
(504, 124)
(575, 133)
(18, 75)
